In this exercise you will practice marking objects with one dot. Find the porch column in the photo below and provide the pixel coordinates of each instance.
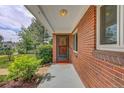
(54, 48)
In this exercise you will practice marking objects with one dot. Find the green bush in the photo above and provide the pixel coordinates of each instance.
(44, 52)
(21, 51)
(3, 78)
(2, 52)
(23, 67)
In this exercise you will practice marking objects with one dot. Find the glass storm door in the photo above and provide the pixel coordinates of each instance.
(62, 47)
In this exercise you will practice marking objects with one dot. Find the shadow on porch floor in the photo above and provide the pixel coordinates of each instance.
(61, 76)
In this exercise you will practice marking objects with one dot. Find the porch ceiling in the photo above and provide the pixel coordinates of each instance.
(49, 16)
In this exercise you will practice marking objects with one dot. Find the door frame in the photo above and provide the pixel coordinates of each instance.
(67, 49)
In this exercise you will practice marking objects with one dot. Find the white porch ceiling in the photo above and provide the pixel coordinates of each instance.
(50, 18)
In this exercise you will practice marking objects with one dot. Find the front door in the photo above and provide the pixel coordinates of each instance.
(62, 48)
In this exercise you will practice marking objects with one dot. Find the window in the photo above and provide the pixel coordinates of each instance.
(75, 41)
(110, 27)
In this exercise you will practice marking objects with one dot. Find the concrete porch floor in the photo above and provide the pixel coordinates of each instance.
(61, 76)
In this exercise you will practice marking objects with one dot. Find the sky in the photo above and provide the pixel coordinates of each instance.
(12, 18)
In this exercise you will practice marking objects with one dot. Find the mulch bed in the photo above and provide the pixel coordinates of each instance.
(21, 84)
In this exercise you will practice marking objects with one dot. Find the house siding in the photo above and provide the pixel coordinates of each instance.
(92, 71)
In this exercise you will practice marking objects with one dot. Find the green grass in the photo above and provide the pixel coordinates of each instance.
(4, 62)
(3, 58)
(3, 78)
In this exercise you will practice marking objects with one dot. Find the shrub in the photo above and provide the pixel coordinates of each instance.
(3, 78)
(44, 52)
(23, 67)
(2, 52)
(21, 51)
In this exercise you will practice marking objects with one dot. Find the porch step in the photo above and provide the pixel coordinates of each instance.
(63, 61)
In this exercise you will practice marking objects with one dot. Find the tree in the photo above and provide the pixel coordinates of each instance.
(51, 41)
(27, 40)
(9, 50)
(46, 37)
(33, 36)
(1, 38)
(37, 31)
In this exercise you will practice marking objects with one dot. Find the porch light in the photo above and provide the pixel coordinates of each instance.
(63, 12)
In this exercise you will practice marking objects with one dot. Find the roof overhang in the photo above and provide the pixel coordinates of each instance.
(49, 16)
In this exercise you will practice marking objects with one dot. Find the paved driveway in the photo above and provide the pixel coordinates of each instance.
(61, 76)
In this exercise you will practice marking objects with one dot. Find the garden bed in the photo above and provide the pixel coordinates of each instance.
(20, 84)
(25, 84)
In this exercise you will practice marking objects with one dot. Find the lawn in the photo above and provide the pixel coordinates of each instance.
(4, 58)
(4, 62)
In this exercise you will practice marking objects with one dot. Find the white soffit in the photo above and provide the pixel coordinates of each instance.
(34, 9)
(50, 18)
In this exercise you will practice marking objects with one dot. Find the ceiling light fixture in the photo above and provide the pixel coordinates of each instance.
(63, 12)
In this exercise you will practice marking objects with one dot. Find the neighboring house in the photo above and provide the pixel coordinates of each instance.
(90, 37)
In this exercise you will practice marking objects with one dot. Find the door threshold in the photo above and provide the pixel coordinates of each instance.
(66, 61)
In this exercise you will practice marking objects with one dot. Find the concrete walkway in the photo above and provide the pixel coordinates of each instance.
(61, 76)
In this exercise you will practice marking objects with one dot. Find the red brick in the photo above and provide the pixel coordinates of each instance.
(93, 72)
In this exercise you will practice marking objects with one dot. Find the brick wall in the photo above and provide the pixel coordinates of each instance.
(92, 71)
